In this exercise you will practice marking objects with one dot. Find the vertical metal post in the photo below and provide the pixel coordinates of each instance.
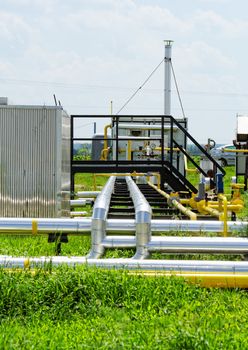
(171, 142)
(72, 144)
(167, 77)
(162, 174)
(162, 139)
(116, 141)
(94, 127)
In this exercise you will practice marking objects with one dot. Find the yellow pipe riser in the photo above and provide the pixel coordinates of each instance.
(129, 150)
(108, 126)
(104, 154)
(224, 215)
(189, 170)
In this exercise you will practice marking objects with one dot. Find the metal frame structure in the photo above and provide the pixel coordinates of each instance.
(169, 173)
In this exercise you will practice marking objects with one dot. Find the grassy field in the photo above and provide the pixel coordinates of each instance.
(83, 308)
(90, 309)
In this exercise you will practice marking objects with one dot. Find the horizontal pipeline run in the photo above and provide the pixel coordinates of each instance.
(180, 245)
(87, 194)
(221, 274)
(82, 225)
(167, 266)
(79, 213)
(80, 202)
(196, 245)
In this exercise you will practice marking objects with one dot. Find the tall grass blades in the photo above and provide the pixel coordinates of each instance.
(84, 308)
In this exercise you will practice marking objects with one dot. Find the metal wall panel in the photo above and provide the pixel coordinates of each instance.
(34, 162)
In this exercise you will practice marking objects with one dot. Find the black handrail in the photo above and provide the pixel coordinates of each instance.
(216, 164)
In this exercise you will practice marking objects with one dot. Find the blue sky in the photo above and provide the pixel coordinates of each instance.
(89, 52)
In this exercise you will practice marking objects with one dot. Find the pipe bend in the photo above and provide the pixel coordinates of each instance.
(143, 215)
(99, 217)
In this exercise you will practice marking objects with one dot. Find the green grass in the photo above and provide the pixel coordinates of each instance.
(85, 308)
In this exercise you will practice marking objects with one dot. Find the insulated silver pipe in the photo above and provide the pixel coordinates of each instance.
(87, 194)
(121, 226)
(182, 245)
(193, 266)
(99, 217)
(78, 226)
(44, 226)
(212, 245)
(143, 215)
(197, 226)
(119, 242)
(80, 202)
(79, 213)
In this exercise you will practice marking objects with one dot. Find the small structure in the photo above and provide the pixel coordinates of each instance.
(34, 161)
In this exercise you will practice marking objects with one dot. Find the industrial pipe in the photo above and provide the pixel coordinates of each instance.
(206, 273)
(99, 217)
(175, 202)
(182, 245)
(105, 144)
(197, 226)
(203, 208)
(114, 242)
(80, 202)
(87, 194)
(79, 213)
(189, 266)
(224, 215)
(197, 245)
(83, 225)
(143, 215)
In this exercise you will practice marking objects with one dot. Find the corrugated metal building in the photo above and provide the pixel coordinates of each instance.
(34, 161)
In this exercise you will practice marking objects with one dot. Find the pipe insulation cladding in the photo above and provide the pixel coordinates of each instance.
(187, 266)
(99, 217)
(143, 215)
(83, 225)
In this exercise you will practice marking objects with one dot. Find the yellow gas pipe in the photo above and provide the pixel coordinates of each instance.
(174, 202)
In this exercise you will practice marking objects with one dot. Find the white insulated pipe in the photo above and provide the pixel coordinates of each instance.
(197, 245)
(143, 214)
(78, 226)
(78, 213)
(174, 244)
(87, 194)
(80, 202)
(99, 217)
(197, 226)
(193, 266)
(114, 242)
(167, 77)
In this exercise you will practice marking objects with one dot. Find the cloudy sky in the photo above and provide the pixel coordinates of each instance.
(91, 52)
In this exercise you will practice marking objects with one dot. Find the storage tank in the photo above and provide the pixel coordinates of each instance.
(34, 161)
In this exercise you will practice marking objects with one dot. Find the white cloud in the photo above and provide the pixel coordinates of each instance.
(117, 43)
(218, 25)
